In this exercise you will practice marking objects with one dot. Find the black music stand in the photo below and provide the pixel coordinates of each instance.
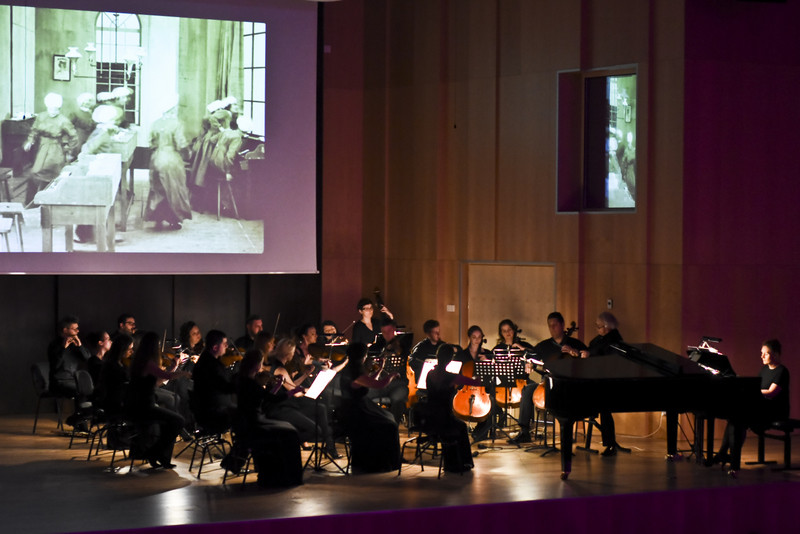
(318, 452)
(489, 372)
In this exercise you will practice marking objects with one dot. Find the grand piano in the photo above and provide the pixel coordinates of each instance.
(641, 378)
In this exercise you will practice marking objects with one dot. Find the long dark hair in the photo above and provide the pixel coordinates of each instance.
(147, 351)
(118, 349)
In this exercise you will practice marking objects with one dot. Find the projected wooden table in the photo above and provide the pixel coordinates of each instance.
(82, 194)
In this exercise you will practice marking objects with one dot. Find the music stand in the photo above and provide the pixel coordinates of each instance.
(488, 371)
(318, 453)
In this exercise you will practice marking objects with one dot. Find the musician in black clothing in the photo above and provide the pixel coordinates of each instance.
(66, 354)
(253, 325)
(426, 348)
(607, 335)
(774, 405)
(275, 444)
(558, 345)
(389, 346)
(213, 398)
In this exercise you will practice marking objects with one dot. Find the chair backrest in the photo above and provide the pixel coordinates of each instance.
(84, 382)
(39, 374)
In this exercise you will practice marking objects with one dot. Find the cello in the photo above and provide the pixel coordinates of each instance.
(471, 403)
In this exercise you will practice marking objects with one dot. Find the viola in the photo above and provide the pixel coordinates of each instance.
(471, 403)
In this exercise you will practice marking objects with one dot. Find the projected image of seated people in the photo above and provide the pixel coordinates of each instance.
(143, 134)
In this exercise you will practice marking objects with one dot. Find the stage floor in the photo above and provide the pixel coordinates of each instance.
(49, 488)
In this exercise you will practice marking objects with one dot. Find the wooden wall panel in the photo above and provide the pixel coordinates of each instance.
(523, 293)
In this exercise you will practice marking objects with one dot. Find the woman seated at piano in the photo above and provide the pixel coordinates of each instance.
(607, 334)
(773, 405)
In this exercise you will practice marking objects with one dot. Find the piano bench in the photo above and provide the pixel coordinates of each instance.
(780, 431)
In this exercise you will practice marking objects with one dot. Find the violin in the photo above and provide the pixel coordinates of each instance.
(232, 356)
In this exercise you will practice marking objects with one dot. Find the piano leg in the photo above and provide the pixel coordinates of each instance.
(672, 434)
(699, 425)
(567, 426)
(710, 440)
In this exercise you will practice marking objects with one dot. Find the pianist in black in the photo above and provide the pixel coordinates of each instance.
(558, 345)
(773, 405)
(607, 335)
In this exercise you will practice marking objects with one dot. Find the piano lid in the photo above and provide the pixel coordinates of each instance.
(636, 361)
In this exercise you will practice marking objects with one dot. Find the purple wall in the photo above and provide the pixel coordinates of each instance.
(741, 179)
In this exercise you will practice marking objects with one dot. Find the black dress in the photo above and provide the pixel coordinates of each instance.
(439, 420)
(275, 445)
(141, 406)
(372, 430)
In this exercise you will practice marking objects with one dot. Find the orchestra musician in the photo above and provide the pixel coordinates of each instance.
(110, 389)
(264, 342)
(141, 402)
(307, 416)
(773, 405)
(373, 431)
(126, 324)
(66, 355)
(426, 349)
(367, 328)
(475, 352)
(438, 412)
(389, 346)
(98, 344)
(557, 345)
(191, 339)
(252, 326)
(275, 444)
(330, 333)
(213, 399)
(508, 338)
(607, 335)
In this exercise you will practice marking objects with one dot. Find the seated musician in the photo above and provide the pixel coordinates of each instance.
(110, 389)
(559, 344)
(275, 444)
(475, 352)
(191, 339)
(66, 355)
(773, 405)
(253, 325)
(426, 349)
(387, 347)
(141, 403)
(213, 398)
(264, 342)
(373, 431)
(126, 324)
(330, 333)
(309, 417)
(607, 335)
(98, 344)
(438, 413)
(367, 328)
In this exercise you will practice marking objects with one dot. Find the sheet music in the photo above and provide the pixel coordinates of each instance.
(324, 378)
(452, 367)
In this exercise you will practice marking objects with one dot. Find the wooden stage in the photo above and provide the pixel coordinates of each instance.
(45, 487)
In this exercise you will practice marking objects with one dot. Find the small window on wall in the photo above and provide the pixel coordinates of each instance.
(609, 142)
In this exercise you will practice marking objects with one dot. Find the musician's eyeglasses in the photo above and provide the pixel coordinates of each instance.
(599, 326)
